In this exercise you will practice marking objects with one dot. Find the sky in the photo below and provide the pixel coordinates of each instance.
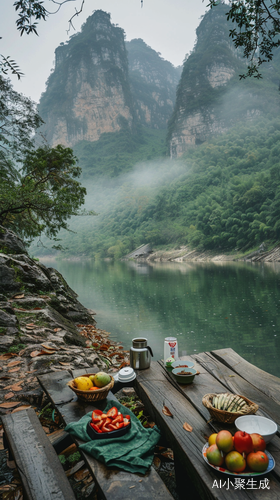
(168, 26)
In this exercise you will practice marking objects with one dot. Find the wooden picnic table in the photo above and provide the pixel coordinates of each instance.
(219, 371)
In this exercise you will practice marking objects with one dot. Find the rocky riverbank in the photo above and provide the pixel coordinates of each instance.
(185, 254)
(43, 327)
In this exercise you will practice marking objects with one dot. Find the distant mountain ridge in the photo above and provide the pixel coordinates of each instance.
(100, 84)
(153, 84)
(211, 98)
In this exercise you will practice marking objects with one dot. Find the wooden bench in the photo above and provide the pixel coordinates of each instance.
(41, 472)
(112, 483)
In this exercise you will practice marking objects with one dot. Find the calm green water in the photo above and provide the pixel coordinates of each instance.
(206, 306)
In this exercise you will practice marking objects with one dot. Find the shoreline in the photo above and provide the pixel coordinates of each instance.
(186, 254)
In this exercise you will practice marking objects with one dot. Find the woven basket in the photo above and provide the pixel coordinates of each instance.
(91, 396)
(228, 417)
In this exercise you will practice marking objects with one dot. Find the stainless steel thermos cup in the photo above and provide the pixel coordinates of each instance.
(140, 354)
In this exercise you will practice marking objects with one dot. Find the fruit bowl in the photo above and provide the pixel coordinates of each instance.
(246, 472)
(91, 396)
(228, 417)
(255, 423)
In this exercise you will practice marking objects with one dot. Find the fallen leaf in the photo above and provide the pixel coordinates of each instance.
(187, 427)
(81, 474)
(166, 411)
(103, 347)
(9, 405)
(50, 348)
(9, 395)
(124, 363)
(12, 370)
(16, 387)
(18, 296)
(168, 454)
(231, 375)
(47, 351)
(33, 354)
(57, 329)
(14, 363)
(20, 408)
(30, 324)
(64, 364)
(8, 355)
(30, 327)
(37, 308)
(157, 462)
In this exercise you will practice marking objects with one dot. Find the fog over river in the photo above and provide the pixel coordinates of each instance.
(207, 306)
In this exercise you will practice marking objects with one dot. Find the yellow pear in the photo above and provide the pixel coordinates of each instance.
(83, 383)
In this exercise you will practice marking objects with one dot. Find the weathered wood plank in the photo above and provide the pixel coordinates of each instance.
(113, 483)
(265, 382)
(155, 390)
(55, 383)
(41, 472)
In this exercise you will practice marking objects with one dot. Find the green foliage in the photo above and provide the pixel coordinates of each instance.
(256, 30)
(45, 194)
(16, 348)
(38, 190)
(117, 152)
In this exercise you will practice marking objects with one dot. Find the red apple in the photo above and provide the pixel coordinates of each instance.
(214, 455)
(259, 443)
(224, 441)
(257, 461)
(243, 442)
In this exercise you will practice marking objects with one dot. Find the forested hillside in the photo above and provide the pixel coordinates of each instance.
(224, 195)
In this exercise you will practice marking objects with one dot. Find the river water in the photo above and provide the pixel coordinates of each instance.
(207, 306)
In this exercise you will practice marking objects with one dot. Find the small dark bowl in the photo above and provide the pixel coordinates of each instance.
(106, 435)
(184, 379)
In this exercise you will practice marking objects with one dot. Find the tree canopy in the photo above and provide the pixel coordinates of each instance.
(39, 190)
(256, 30)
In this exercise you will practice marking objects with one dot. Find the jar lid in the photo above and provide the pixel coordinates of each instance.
(126, 374)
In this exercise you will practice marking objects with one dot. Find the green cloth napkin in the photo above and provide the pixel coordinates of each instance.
(132, 452)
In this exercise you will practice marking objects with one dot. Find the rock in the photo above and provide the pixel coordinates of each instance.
(10, 243)
(7, 319)
(6, 341)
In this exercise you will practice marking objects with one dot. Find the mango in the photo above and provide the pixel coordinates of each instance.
(101, 379)
(83, 383)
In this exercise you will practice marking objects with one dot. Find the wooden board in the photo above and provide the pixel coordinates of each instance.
(263, 381)
(56, 384)
(113, 483)
(155, 390)
(41, 472)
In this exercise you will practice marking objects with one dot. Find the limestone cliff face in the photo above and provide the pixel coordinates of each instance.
(153, 84)
(88, 92)
(210, 96)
